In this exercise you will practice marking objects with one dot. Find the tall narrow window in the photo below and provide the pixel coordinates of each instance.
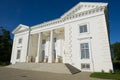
(18, 54)
(54, 39)
(84, 50)
(43, 41)
(43, 55)
(83, 28)
(20, 41)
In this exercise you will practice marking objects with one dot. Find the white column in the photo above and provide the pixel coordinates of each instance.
(51, 47)
(56, 50)
(28, 58)
(56, 58)
(39, 47)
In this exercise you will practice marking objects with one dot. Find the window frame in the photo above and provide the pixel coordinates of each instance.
(83, 49)
(83, 28)
(88, 29)
(20, 40)
(43, 41)
(55, 39)
(18, 52)
(86, 66)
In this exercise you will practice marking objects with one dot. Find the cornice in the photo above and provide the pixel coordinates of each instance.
(84, 13)
(22, 31)
(61, 20)
(18, 27)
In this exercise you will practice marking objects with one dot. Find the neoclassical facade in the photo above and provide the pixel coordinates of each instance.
(79, 37)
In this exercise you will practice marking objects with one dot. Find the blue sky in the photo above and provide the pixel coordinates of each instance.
(32, 12)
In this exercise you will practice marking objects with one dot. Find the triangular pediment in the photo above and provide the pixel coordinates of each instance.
(20, 28)
(83, 6)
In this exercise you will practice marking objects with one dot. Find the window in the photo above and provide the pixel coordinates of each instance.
(54, 52)
(83, 28)
(84, 50)
(85, 66)
(43, 41)
(18, 54)
(54, 39)
(43, 55)
(20, 41)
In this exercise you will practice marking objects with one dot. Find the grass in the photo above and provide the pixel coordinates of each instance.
(115, 76)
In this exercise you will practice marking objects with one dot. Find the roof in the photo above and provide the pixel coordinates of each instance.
(79, 8)
(20, 28)
(82, 6)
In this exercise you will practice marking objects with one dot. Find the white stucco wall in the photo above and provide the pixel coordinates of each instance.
(97, 37)
(23, 47)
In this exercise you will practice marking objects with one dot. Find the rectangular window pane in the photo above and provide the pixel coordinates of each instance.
(18, 54)
(20, 41)
(83, 28)
(43, 41)
(85, 66)
(87, 53)
(54, 39)
(84, 47)
(82, 66)
(82, 54)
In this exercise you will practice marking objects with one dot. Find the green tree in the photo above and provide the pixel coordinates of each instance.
(116, 59)
(5, 46)
(116, 51)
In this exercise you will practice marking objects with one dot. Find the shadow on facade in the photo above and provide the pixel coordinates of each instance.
(72, 69)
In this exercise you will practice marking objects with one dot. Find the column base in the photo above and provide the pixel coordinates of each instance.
(37, 60)
(49, 60)
(27, 59)
(46, 59)
(56, 60)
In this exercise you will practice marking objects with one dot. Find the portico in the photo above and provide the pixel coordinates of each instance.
(47, 46)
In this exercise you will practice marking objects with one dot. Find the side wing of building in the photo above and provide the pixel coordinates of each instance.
(20, 44)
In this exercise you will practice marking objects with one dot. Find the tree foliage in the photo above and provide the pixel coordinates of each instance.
(116, 51)
(116, 59)
(5, 46)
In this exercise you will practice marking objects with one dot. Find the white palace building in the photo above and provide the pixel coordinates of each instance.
(80, 37)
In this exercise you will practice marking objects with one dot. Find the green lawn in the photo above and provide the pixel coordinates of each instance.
(106, 75)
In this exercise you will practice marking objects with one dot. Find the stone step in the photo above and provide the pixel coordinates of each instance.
(45, 67)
